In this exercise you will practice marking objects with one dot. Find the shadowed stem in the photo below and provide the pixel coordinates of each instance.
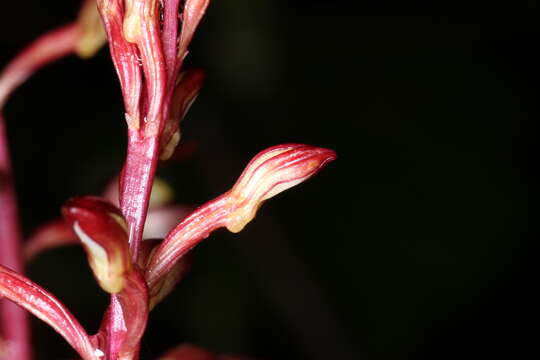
(14, 321)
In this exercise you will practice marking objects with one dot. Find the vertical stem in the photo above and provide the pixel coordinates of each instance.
(136, 184)
(169, 38)
(135, 188)
(14, 320)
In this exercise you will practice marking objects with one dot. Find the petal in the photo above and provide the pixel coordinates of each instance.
(103, 233)
(46, 307)
(269, 173)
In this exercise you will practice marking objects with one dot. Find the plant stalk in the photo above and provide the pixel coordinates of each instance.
(14, 320)
(136, 184)
(135, 188)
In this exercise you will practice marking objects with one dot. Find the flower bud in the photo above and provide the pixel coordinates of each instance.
(270, 172)
(103, 232)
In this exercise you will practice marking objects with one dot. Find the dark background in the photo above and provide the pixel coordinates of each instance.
(419, 242)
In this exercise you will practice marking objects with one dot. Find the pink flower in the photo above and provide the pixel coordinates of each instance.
(102, 230)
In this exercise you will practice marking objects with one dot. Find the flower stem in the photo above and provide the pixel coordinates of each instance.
(136, 184)
(14, 321)
(135, 188)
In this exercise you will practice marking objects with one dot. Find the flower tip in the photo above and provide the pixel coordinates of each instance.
(271, 172)
(102, 231)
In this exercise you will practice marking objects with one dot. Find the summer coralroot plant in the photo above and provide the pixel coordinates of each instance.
(148, 41)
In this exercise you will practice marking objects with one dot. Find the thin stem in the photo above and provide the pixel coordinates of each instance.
(191, 231)
(47, 48)
(136, 185)
(135, 188)
(14, 320)
(169, 37)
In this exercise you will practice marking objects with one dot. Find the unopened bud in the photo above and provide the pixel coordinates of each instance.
(103, 232)
(270, 172)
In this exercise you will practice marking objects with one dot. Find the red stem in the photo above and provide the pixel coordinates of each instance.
(136, 184)
(169, 37)
(14, 320)
(190, 232)
(135, 188)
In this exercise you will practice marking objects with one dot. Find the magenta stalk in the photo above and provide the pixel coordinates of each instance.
(14, 320)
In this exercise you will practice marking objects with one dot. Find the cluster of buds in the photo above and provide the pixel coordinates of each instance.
(148, 41)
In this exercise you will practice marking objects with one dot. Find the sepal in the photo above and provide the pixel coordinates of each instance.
(141, 26)
(125, 58)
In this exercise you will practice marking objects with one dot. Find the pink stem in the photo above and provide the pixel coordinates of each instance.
(135, 188)
(14, 320)
(190, 232)
(169, 37)
(42, 51)
(47, 48)
(136, 184)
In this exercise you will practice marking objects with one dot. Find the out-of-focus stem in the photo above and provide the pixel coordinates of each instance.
(44, 50)
(47, 48)
(14, 321)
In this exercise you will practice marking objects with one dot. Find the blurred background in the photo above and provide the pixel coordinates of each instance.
(419, 242)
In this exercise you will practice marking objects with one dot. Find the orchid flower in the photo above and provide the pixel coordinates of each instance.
(103, 232)
(148, 42)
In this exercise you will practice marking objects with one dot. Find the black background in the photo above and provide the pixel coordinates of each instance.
(419, 242)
